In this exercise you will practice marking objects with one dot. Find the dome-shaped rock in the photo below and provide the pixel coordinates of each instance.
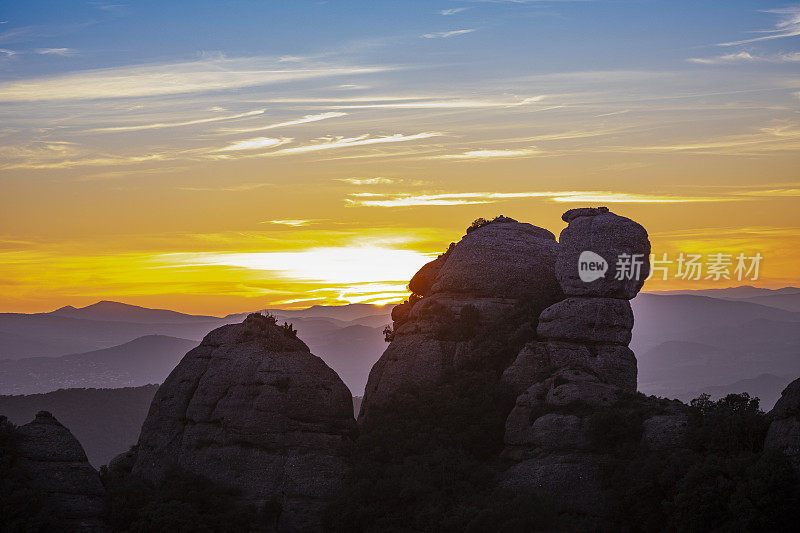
(502, 260)
(58, 466)
(612, 237)
(251, 408)
(492, 269)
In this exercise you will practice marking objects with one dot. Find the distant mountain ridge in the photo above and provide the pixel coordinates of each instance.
(144, 360)
(738, 292)
(105, 421)
(748, 331)
(766, 387)
(84, 347)
(120, 312)
(687, 343)
(787, 298)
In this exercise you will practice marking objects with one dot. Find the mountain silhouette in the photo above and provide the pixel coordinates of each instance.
(141, 361)
(121, 312)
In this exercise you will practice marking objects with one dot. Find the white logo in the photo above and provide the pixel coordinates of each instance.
(591, 266)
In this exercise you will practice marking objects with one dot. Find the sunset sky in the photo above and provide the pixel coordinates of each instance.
(218, 157)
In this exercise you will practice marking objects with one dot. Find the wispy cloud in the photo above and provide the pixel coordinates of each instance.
(165, 79)
(295, 223)
(64, 155)
(160, 125)
(361, 140)
(776, 192)
(368, 181)
(492, 154)
(7, 53)
(447, 34)
(747, 57)
(612, 114)
(239, 187)
(56, 51)
(102, 160)
(253, 144)
(453, 11)
(107, 7)
(137, 172)
(472, 198)
(444, 104)
(765, 140)
(17, 34)
(788, 26)
(306, 119)
(52, 155)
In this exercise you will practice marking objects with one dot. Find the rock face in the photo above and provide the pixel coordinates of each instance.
(580, 361)
(58, 466)
(500, 260)
(665, 431)
(784, 431)
(252, 408)
(489, 271)
(588, 321)
(610, 236)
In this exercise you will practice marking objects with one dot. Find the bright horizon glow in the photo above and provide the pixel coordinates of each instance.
(346, 265)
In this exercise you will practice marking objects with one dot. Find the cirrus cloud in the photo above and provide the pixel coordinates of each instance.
(788, 26)
(473, 198)
(253, 144)
(56, 51)
(304, 120)
(159, 125)
(168, 78)
(367, 181)
(746, 57)
(492, 154)
(447, 34)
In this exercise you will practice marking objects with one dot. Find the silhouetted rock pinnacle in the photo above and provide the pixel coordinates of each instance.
(581, 360)
(252, 408)
(490, 271)
(58, 466)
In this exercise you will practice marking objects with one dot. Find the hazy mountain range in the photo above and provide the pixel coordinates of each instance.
(685, 341)
(111, 344)
(716, 341)
(105, 421)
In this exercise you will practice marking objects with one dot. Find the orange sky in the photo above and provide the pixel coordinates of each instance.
(224, 183)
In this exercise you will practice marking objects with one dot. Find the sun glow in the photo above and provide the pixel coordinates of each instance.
(329, 265)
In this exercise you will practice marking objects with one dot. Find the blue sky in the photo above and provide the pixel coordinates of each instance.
(531, 37)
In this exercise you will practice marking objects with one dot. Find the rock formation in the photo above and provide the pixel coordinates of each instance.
(251, 408)
(579, 362)
(610, 236)
(57, 465)
(478, 280)
(784, 430)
